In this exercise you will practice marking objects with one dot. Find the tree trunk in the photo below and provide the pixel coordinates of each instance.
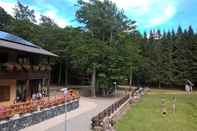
(103, 37)
(111, 36)
(60, 74)
(159, 84)
(48, 88)
(93, 82)
(130, 78)
(28, 93)
(66, 75)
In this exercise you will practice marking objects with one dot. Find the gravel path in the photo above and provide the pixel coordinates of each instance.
(82, 122)
(77, 120)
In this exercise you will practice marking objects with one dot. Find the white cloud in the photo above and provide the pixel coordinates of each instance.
(8, 7)
(148, 13)
(59, 20)
(138, 6)
(51, 12)
(142, 5)
(167, 13)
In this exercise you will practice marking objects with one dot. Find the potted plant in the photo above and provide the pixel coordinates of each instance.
(42, 67)
(48, 67)
(9, 67)
(18, 67)
(27, 67)
(36, 67)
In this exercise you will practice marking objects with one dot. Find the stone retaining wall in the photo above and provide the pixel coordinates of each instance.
(17, 123)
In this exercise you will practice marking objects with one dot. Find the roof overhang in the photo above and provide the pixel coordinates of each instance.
(29, 49)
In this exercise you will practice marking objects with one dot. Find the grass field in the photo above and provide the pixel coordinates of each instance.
(146, 114)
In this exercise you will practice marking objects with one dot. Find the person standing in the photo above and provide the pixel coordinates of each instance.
(33, 96)
(189, 87)
(65, 91)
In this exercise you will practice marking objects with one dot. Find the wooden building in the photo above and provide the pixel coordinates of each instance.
(24, 69)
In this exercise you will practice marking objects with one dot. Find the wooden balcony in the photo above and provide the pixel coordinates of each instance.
(30, 106)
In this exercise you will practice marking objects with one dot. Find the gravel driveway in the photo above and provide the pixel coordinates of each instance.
(77, 120)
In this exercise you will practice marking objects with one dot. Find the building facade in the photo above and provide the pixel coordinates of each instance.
(24, 69)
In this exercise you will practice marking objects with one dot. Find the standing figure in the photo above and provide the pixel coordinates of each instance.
(188, 86)
(34, 96)
(187, 89)
(65, 92)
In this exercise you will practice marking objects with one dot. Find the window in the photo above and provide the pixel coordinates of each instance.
(34, 60)
(4, 93)
(3, 57)
(21, 90)
(23, 59)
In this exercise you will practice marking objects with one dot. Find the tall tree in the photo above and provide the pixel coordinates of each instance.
(5, 20)
(104, 21)
(46, 21)
(23, 12)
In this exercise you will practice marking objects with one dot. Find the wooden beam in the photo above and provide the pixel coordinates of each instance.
(24, 75)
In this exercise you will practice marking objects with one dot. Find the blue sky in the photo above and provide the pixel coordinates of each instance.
(149, 14)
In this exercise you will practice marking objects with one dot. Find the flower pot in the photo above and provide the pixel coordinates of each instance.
(27, 67)
(36, 68)
(9, 67)
(18, 67)
(42, 68)
(48, 67)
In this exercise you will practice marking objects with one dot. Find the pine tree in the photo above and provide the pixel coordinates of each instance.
(167, 58)
(192, 56)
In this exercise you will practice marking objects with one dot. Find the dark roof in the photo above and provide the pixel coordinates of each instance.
(8, 40)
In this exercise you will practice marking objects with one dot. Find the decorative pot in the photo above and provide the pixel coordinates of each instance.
(48, 67)
(42, 68)
(36, 68)
(27, 67)
(18, 67)
(9, 67)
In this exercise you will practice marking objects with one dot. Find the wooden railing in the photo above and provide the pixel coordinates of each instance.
(97, 120)
(24, 75)
(30, 106)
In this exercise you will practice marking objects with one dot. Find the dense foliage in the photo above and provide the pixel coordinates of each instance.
(170, 57)
(108, 48)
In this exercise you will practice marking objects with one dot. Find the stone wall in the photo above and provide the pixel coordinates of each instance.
(17, 123)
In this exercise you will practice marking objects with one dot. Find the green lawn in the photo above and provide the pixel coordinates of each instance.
(146, 115)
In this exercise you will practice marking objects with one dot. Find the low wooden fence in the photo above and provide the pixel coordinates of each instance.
(30, 106)
(97, 120)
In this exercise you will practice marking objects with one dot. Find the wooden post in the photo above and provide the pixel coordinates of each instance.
(48, 87)
(60, 74)
(48, 80)
(66, 74)
(130, 79)
(27, 95)
(93, 84)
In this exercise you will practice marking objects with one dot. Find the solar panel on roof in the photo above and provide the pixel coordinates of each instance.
(16, 39)
(14, 42)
